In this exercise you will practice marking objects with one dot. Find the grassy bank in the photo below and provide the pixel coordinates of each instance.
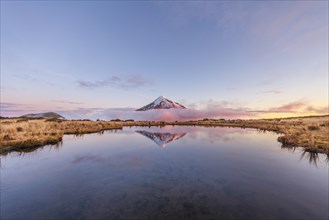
(312, 133)
(24, 133)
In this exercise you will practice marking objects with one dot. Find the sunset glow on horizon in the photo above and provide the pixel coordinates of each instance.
(104, 59)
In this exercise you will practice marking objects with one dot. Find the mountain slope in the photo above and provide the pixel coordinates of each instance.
(43, 115)
(161, 103)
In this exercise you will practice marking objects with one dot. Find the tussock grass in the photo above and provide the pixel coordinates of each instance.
(313, 127)
(312, 132)
(30, 133)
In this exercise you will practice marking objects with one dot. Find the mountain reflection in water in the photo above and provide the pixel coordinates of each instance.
(161, 138)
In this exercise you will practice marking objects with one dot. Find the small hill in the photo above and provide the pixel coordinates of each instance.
(44, 115)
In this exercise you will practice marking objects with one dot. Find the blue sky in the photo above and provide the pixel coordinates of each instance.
(82, 55)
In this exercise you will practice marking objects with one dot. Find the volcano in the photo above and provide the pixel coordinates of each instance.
(161, 103)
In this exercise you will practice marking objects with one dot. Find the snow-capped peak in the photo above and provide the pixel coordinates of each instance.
(160, 99)
(161, 103)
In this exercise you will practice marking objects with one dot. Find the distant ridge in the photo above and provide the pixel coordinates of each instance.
(161, 103)
(47, 115)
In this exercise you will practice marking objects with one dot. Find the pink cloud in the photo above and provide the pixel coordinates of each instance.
(290, 107)
(161, 115)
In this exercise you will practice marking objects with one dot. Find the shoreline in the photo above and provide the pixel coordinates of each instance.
(310, 133)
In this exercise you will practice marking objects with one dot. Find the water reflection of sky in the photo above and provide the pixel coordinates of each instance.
(207, 173)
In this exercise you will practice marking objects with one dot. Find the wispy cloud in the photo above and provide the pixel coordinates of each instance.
(43, 70)
(66, 102)
(266, 82)
(273, 91)
(16, 109)
(111, 81)
(12, 109)
(123, 82)
(31, 78)
(9, 105)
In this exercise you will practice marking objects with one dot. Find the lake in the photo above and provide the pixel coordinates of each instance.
(165, 173)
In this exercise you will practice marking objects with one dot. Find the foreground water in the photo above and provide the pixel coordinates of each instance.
(165, 173)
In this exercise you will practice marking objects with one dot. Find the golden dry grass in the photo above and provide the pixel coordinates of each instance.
(312, 133)
(29, 133)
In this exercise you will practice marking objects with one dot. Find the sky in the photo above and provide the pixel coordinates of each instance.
(103, 59)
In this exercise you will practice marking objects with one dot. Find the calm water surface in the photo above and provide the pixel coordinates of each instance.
(165, 173)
